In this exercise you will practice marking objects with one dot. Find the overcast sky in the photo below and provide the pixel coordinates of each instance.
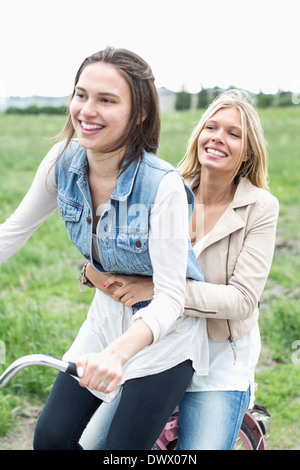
(251, 44)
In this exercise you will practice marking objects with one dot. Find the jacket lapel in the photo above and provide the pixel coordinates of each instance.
(231, 221)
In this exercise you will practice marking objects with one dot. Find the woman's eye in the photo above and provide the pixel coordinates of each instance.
(107, 100)
(79, 95)
(234, 134)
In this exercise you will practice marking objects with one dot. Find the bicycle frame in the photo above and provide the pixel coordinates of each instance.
(258, 420)
(256, 431)
(168, 437)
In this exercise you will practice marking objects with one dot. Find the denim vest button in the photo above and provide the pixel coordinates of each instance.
(89, 220)
(86, 256)
(138, 244)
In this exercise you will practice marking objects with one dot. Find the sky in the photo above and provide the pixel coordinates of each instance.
(252, 45)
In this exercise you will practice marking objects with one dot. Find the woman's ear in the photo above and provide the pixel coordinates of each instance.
(246, 158)
(141, 118)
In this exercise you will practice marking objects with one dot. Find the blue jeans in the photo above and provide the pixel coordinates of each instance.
(211, 420)
(207, 420)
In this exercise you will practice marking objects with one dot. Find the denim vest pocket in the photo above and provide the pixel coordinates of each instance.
(68, 211)
(71, 215)
(133, 250)
(137, 242)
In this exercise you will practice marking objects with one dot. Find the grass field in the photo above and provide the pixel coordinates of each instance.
(41, 308)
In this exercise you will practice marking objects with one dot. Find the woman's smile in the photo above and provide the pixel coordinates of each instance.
(215, 152)
(89, 128)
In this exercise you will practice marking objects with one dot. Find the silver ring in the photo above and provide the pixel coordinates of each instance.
(102, 385)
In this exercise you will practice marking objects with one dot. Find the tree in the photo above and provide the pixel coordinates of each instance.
(183, 100)
(264, 100)
(284, 98)
(203, 99)
(216, 91)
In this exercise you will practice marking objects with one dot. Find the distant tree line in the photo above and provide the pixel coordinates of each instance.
(33, 109)
(183, 102)
(205, 97)
(282, 98)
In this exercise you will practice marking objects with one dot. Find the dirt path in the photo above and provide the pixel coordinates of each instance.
(21, 439)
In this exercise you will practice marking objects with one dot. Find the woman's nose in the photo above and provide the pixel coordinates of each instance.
(218, 136)
(89, 109)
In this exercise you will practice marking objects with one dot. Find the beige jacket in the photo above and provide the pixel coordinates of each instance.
(235, 260)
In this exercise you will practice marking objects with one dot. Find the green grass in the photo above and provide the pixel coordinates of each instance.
(41, 307)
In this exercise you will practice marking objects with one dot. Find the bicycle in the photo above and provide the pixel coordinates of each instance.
(254, 432)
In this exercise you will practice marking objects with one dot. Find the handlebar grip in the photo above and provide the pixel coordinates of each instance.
(71, 369)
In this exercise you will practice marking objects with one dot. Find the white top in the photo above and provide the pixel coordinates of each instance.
(226, 374)
(199, 245)
(175, 340)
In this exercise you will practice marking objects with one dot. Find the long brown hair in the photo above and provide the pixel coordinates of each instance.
(141, 133)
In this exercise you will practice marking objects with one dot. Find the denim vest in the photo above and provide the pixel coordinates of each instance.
(123, 227)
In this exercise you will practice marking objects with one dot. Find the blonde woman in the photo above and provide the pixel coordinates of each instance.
(233, 232)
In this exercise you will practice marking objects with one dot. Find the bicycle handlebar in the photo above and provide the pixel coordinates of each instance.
(33, 360)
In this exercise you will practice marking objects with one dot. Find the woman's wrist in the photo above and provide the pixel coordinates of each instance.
(83, 280)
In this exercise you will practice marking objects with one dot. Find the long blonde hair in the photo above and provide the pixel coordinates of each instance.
(253, 142)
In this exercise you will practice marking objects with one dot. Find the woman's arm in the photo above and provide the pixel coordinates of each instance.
(238, 299)
(168, 241)
(39, 202)
(168, 247)
(167, 244)
(126, 289)
(235, 301)
(103, 371)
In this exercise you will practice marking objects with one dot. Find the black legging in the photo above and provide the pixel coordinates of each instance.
(145, 406)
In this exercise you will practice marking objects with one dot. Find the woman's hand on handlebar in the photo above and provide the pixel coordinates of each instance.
(100, 371)
(103, 371)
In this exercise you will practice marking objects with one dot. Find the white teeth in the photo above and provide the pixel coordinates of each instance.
(216, 152)
(90, 126)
